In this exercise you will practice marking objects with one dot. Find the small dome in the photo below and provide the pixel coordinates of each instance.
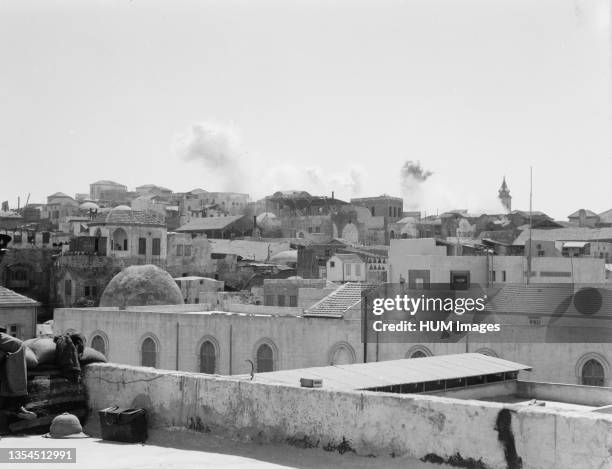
(121, 207)
(285, 257)
(89, 206)
(141, 285)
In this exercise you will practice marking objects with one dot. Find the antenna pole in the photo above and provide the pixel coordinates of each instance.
(530, 223)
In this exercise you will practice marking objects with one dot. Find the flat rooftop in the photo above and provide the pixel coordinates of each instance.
(361, 376)
(185, 449)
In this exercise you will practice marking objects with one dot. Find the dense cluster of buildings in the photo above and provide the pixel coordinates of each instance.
(279, 281)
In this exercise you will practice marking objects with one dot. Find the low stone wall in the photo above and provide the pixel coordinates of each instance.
(483, 391)
(571, 393)
(461, 433)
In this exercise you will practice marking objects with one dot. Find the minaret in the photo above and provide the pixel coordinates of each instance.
(504, 196)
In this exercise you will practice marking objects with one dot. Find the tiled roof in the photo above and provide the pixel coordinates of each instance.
(209, 223)
(587, 213)
(565, 234)
(11, 298)
(606, 217)
(552, 300)
(126, 217)
(339, 301)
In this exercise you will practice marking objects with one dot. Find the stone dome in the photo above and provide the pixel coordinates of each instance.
(89, 206)
(141, 285)
(266, 217)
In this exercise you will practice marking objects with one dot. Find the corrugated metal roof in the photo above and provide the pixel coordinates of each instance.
(11, 298)
(395, 372)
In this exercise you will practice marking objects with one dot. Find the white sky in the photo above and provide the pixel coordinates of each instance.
(473, 89)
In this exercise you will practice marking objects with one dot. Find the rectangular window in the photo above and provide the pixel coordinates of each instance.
(503, 275)
(459, 280)
(555, 274)
(358, 270)
(179, 249)
(269, 300)
(493, 276)
(156, 250)
(293, 300)
(86, 291)
(347, 270)
(142, 246)
(281, 300)
(94, 291)
(332, 264)
(390, 211)
(187, 250)
(317, 229)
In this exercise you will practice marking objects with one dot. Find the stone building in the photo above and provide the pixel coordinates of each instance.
(189, 256)
(132, 236)
(346, 268)
(192, 286)
(226, 227)
(108, 190)
(391, 208)
(59, 208)
(199, 203)
(191, 338)
(286, 292)
(29, 271)
(18, 314)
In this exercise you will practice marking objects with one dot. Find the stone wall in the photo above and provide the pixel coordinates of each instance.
(475, 434)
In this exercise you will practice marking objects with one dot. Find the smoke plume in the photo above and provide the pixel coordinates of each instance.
(412, 177)
(220, 150)
(413, 172)
(217, 147)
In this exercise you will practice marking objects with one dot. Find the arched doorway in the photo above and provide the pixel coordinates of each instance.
(593, 373)
(208, 358)
(265, 358)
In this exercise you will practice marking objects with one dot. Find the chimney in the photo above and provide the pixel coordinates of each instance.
(581, 217)
(332, 195)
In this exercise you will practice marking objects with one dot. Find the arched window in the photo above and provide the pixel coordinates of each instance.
(342, 354)
(148, 351)
(208, 358)
(120, 240)
(265, 358)
(418, 351)
(98, 343)
(487, 351)
(593, 373)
